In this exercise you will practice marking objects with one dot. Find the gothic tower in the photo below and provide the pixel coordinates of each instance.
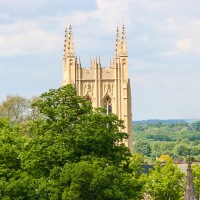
(104, 87)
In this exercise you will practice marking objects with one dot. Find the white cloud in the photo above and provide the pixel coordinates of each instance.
(25, 38)
(162, 38)
(187, 35)
(183, 44)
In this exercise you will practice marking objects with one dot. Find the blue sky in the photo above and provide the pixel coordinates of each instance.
(163, 39)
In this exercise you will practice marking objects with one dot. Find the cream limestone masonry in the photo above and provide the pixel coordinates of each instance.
(104, 87)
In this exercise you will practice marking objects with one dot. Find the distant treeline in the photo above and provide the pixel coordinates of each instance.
(167, 121)
(178, 140)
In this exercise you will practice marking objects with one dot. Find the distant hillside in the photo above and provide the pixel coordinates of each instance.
(167, 121)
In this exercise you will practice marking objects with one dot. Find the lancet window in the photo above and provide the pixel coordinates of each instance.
(108, 105)
(87, 98)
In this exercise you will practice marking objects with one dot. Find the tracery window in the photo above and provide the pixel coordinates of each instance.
(108, 105)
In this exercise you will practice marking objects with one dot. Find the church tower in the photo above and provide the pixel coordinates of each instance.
(104, 87)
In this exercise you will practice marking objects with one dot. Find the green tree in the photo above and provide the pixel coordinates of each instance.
(195, 150)
(18, 109)
(156, 150)
(136, 162)
(70, 131)
(196, 178)
(98, 180)
(13, 182)
(76, 151)
(165, 182)
(15, 108)
(11, 144)
(142, 147)
(196, 126)
(181, 150)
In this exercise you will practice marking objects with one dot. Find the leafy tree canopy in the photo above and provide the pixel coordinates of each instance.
(18, 109)
(165, 182)
(72, 152)
(143, 147)
(11, 143)
(196, 178)
(196, 126)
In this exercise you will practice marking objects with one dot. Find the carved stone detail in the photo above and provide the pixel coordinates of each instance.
(88, 88)
(108, 87)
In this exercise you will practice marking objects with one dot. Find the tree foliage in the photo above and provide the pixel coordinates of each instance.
(62, 148)
(196, 126)
(177, 140)
(72, 152)
(196, 179)
(18, 109)
(164, 158)
(11, 143)
(165, 182)
(143, 147)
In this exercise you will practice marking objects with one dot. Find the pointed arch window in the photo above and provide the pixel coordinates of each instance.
(87, 98)
(108, 104)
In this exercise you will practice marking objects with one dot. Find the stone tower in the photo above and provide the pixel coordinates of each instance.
(104, 87)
